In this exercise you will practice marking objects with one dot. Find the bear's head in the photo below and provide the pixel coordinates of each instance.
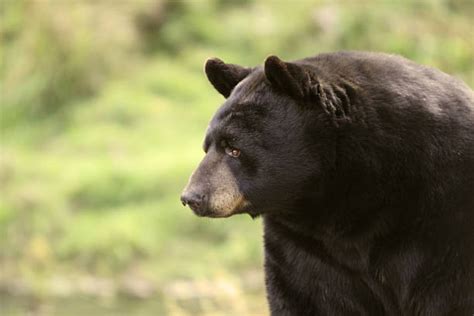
(261, 154)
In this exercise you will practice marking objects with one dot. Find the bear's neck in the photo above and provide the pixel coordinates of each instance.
(318, 265)
(303, 236)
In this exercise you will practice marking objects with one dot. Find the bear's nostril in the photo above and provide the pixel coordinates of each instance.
(192, 199)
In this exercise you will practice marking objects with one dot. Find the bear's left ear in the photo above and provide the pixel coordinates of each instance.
(287, 77)
(224, 77)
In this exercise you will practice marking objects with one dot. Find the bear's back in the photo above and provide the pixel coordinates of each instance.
(382, 73)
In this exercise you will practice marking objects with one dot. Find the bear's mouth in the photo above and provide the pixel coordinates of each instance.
(209, 213)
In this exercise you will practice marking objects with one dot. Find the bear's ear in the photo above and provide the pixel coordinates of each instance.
(224, 77)
(287, 77)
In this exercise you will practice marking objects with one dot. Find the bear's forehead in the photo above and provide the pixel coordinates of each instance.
(244, 108)
(247, 96)
(252, 84)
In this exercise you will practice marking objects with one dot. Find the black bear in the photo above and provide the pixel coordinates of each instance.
(362, 167)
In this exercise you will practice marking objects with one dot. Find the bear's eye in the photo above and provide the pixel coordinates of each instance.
(229, 150)
(233, 152)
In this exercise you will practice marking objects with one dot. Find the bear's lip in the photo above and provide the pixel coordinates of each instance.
(201, 211)
(204, 212)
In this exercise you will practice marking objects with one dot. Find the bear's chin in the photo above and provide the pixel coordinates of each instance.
(212, 213)
(223, 214)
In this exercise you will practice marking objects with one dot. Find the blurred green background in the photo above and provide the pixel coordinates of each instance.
(103, 110)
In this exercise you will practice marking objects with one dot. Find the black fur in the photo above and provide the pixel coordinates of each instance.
(362, 167)
(224, 77)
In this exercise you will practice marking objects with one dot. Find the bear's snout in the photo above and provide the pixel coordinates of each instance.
(213, 189)
(194, 200)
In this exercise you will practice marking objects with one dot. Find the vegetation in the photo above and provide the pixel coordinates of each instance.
(103, 110)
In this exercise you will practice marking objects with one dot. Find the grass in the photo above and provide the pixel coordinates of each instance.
(100, 195)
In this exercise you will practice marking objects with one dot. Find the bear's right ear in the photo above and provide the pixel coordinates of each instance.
(224, 77)
(288, 77)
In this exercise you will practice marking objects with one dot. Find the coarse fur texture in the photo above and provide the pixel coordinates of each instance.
(362, 167)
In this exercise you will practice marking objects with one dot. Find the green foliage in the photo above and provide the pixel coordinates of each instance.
(103, 109)
(56, 51)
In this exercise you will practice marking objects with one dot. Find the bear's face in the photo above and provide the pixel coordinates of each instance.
(257, 157)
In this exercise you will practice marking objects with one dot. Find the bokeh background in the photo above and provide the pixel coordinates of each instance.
(103, 110)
